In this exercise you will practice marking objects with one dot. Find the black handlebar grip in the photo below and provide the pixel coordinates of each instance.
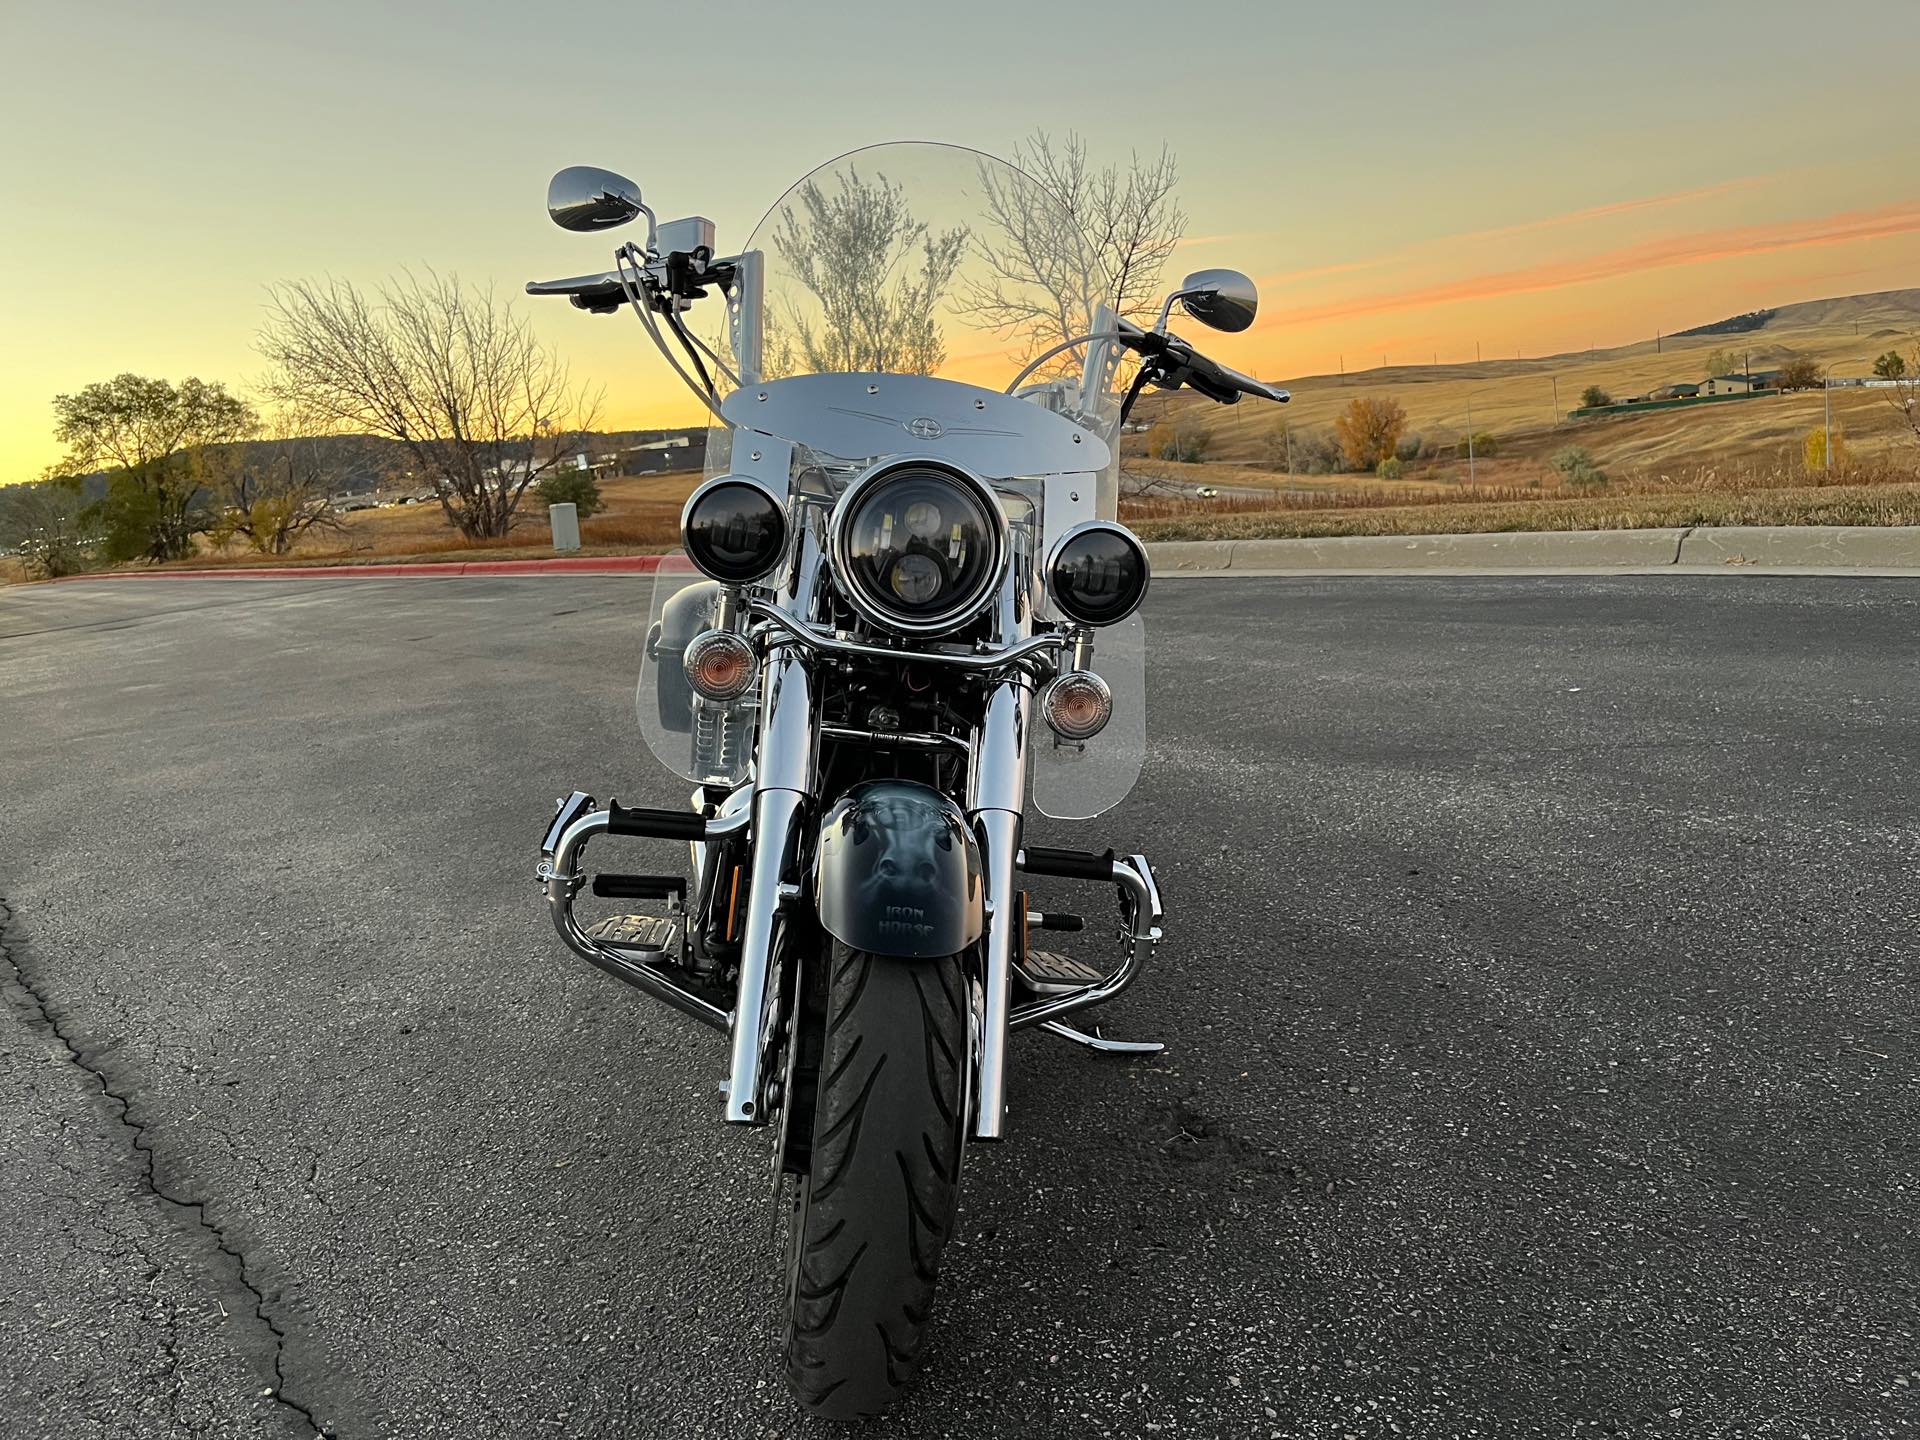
(1068, 864)
(654, 824)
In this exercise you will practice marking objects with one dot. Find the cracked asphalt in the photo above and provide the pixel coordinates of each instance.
(1540, 988)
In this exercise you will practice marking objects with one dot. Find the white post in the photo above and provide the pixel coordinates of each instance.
(565, 519)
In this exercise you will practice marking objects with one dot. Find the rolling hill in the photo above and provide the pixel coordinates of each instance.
(1525, 401)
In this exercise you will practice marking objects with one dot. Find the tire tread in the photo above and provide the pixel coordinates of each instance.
(865, 1257)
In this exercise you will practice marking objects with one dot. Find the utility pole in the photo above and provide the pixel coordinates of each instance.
(1658, 338)
(1556, 399)
(1826, 436)
(1469, 439)
(1476, 352)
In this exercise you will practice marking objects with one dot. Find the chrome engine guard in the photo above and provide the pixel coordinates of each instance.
(1140, 919)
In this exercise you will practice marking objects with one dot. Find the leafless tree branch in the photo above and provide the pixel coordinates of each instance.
(451, 372)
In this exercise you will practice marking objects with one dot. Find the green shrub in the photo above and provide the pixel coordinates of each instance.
(577, 488)
(1578, 467)
(1409, 449)
(1485, 446)
(1593, 397)
(1391, 468)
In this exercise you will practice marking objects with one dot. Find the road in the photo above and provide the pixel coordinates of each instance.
(1540, 989)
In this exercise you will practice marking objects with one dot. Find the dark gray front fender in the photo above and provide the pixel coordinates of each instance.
(897, 872)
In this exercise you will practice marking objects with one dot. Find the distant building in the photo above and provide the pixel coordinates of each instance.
(1681, 391)
(1751, 384)
(678, 450)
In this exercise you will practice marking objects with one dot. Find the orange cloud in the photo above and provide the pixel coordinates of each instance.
(1616, 207)
(1842, 228)
(1523, 227)
(1316, 272)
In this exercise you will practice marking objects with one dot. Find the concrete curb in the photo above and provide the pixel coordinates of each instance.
(1891, 547)
(558, 565)
(1822, 547)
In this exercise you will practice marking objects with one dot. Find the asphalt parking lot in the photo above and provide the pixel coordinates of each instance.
(1540, 987)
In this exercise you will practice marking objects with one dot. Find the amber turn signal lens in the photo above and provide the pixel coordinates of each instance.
(719, 665)
(1077, 706)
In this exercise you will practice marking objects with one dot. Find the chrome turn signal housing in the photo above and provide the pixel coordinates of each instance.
(720, 665)
(1077, 705)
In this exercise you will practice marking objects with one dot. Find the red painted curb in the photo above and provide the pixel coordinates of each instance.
(559, 565)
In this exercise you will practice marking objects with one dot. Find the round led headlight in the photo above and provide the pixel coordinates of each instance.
(1077, 705)
(719, 665)
(918, 547)
(1097, 573)
(735, 529)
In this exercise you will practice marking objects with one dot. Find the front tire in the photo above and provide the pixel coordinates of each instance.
(878, 1204)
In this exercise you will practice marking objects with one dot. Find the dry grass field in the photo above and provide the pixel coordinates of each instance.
(1515, 399)
(1878, 498)
(642, 517)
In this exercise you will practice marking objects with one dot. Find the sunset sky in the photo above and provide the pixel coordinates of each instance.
(1403, 179)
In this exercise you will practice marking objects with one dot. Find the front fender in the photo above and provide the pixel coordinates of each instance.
(897, 872)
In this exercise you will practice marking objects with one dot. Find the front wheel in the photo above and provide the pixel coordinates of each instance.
(877, 1206)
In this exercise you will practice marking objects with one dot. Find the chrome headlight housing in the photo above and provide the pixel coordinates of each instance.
(918, 547)
(734, 530)
(1097, 573)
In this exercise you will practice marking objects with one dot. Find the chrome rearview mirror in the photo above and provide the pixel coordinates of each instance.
(1223, 299)
(585, 197)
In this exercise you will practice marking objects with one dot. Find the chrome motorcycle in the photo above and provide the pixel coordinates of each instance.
(890, 574)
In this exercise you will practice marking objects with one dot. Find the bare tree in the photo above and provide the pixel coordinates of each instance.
(279, 488)
(1081, 237)
(1905, 395)
(45, 522)
(451, 372)
(876, 273)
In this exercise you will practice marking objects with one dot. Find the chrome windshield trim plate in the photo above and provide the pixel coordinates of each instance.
(866, 416)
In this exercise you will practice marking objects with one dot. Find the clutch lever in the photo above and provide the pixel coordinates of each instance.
(602, 294)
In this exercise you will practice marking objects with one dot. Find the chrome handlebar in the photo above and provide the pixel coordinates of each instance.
(818, 640)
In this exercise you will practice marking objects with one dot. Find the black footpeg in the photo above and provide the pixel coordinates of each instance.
(641, 937)
(1046, 973)
(640, 887)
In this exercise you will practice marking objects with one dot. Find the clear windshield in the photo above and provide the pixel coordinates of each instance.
(934, 260)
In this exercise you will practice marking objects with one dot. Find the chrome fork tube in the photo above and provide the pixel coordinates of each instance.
(783, 780)
(996, 795)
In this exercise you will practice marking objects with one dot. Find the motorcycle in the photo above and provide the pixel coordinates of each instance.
(890, 572)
